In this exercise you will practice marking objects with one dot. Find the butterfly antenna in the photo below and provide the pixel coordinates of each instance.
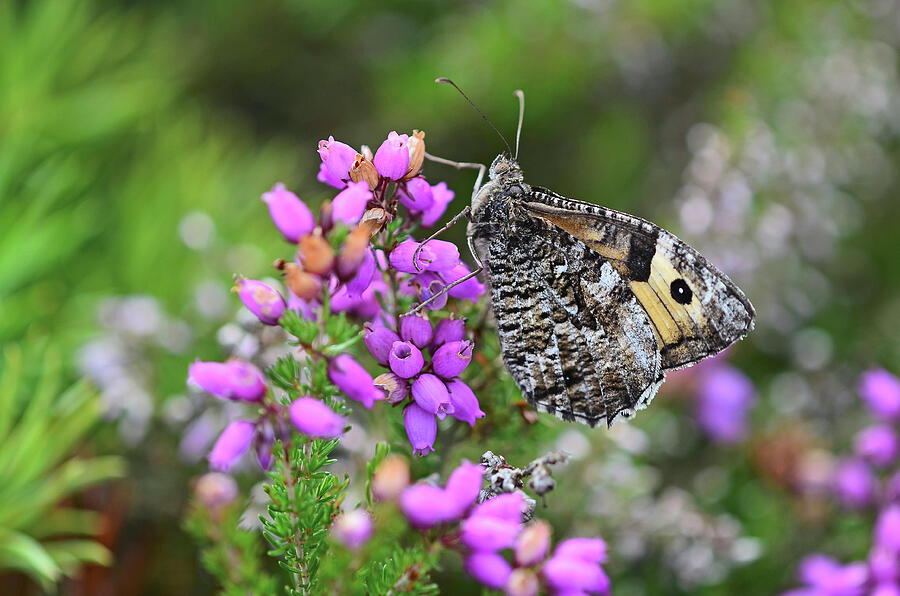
(521, 95)
(471, 103)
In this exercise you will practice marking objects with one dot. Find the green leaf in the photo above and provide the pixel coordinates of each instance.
(20, 551)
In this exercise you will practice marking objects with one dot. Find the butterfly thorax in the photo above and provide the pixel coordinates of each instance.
(496, 201)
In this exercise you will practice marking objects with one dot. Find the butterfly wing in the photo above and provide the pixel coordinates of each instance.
(695, 310)
(574, 337)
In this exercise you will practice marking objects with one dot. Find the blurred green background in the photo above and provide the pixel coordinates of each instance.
(136, 138)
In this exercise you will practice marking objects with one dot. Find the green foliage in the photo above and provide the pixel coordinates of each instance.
(404, 571)
(40, 427)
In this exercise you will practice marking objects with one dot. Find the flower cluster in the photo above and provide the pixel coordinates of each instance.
(482, 531)
(856, 485)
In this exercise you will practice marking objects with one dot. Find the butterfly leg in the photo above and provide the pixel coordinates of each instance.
(446, 289)
(482, 169)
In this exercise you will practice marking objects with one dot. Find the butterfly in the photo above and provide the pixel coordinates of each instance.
(593, 306)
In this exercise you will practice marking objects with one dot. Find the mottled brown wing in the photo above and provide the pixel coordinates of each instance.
(696, 311)
(575, 339)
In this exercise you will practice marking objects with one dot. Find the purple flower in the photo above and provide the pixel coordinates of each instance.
(465, 404)
(829, 578)
(262, 300)
(290, 215)
(416, 329)
(878, 445)
(231, 445)
(725, 398)
(353, 380)
(234, 379)
(434, 255)
(417, 196)
(854, 483)
(379, 340)
(463, 487)
(337, 158)
(452, 358)
(216, 490)
(265, 440)
(421, 429)
(350, 204)
(441, 197)
(565, 574)
(325, 176)
(592, 550)
(364, 275)
(424, 505)
(470, 289)
(884, 565)
(885, 589)
(508, 506)
(405, 359)
(353, 528)
(314, 418)
(427, 285)
(532, 543)
(881, 392)
(887, 529)
(483, 533)
(392, 158)
(488, 568)
(448, 330)
(395, 388)
(431, 395)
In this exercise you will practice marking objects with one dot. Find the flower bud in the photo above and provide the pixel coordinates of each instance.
(215, 490)
(452, 358)
(532, 544)
(465, 404)
(567, 574)
(417, 195)
(379, 340)
(235, 379)
(877, 444)
(423, 505)
(364, 169)
(416, 329)
(470, 289)
(405, 359)
(373, 220)
(421, 429)
(441, 197)
(326, 176)
(337, 157)
(484, 533)
(314, 418)
(302, 284)
(392, 157)
(395, 387)
(416, 146)
(364, 276)
(265, 440)
(261, 299)
(391, 478)
(350, 204)
(490, 569)
(431, 395)
(352, 528)
(508, 506)
(463, 488)
(353, 380)
(352, 253)
(522, 582)
(231, 445)
(592, 550)
(289, 214)
(434, 255)
(316, 254)
(448, 330)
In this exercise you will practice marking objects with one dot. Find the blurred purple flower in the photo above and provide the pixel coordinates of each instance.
(441, 197)
(463, 487)
(431, 395)
(231, 445)
(314, 418)
(854, 483)
(465, 404)
(353, 528)
(886, 589)
(490, 569)
(827, 577)
(364, 275)
(887, 529)
(353, 380)
(261, 299)
(235, 379)
(723, 402)
(216, 490)
(881, 392)
(567, 574)
(289, 214)
(878, 445)
(508, 506)
(392, 157)
(406, 360)
(522, 582)
(421, 429)
(884, 565)
(450, 359)
(532, 543)
(337, 158)
(485, 533)
(350, 204)
(592, 550)
(417, 196)
(424, 505)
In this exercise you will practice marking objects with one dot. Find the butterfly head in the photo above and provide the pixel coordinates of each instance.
(505, 170)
